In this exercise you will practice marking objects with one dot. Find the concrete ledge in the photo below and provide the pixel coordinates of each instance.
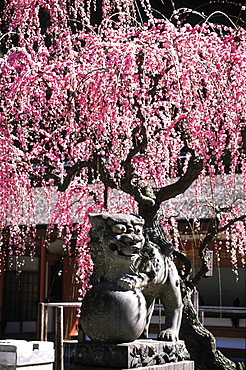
(30, 367)
(22, 354)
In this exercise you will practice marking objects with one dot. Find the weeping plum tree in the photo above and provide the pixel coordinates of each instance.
(98, 116)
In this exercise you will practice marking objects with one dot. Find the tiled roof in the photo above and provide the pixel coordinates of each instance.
(191, 204)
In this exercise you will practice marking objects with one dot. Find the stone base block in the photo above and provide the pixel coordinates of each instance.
(146, 353)
(182, 365)
(15, 354)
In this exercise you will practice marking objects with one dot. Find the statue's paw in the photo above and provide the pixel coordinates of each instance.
(127, 282)
(167, 335)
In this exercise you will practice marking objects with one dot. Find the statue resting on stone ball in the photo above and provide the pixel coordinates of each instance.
(132, 268)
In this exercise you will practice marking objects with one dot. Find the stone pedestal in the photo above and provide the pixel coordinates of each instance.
(183, 365)
(146, 354)
(20, 354)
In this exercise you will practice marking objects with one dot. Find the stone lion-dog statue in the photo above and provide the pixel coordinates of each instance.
(130, 272)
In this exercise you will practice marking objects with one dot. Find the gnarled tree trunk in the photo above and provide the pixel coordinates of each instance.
(199, 342)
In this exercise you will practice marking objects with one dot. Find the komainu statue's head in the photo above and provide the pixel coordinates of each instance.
(119, 236)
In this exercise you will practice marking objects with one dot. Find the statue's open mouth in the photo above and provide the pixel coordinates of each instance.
(125, 252)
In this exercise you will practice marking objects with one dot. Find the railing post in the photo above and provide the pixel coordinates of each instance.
(195, 301)
(59, 338)
(202, 317)
(40, 322)
(45, 323)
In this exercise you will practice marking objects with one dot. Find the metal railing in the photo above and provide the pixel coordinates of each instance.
(223, 311)
(43, 318)
(43, 321)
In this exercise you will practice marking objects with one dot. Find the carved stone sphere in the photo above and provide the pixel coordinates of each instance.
(114, 315)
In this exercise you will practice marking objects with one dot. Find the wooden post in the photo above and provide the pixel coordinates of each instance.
(59, 338)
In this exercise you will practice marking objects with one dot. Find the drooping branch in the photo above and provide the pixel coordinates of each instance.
(52, 172)
(105, 177)
(137, 147)
(156, 78)
(71, 174)
(187, 264)
(243, 132)
(206, 242)
(139, 144)
(194, 169)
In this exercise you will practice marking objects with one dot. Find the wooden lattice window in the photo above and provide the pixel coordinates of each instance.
(21, 296)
